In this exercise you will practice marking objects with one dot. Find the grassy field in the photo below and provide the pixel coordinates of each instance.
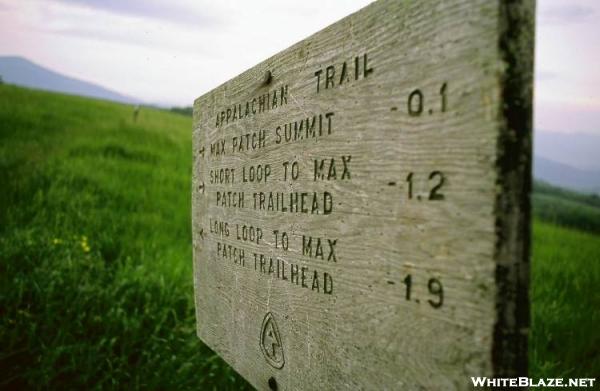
(95, 256)
(567, 208)
(565, 303)
(95, 270)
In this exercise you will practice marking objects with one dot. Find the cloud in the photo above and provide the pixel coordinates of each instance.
(61, 19)
(566, 14)
(169, 41)
(543, 75)
(101, 34)
(179, 12)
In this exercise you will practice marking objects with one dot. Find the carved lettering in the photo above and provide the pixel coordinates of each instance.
(330, 72)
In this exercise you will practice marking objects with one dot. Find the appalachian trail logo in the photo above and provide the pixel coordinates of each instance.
(270, 342)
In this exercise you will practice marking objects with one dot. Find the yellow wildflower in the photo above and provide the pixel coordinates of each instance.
(84, 244)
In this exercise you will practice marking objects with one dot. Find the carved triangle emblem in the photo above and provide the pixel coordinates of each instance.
(270, 342)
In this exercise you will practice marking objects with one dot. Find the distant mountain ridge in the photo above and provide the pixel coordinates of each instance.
(563, 175)
(576, 149)
(22, 72)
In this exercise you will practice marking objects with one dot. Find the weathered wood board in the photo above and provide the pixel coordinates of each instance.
(361, 202)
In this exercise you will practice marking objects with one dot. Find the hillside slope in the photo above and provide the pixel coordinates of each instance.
(563, 175)
(566, 208)
(22, 72)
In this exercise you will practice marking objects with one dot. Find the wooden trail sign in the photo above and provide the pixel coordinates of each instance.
(360, 202)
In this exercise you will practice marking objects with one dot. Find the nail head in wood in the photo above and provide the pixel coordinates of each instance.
(267, 78)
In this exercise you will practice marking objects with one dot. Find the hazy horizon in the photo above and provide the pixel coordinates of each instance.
(169, 54)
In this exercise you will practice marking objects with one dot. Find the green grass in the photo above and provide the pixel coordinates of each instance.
(565, 302)
(95, 256)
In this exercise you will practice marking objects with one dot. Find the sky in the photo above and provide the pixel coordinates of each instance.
(170, 52)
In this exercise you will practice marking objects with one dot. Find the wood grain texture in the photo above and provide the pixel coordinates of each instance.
(474, 243)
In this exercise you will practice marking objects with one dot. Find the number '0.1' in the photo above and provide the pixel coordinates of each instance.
(416, 101)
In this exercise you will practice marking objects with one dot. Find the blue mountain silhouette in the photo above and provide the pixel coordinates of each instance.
(22, 72)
